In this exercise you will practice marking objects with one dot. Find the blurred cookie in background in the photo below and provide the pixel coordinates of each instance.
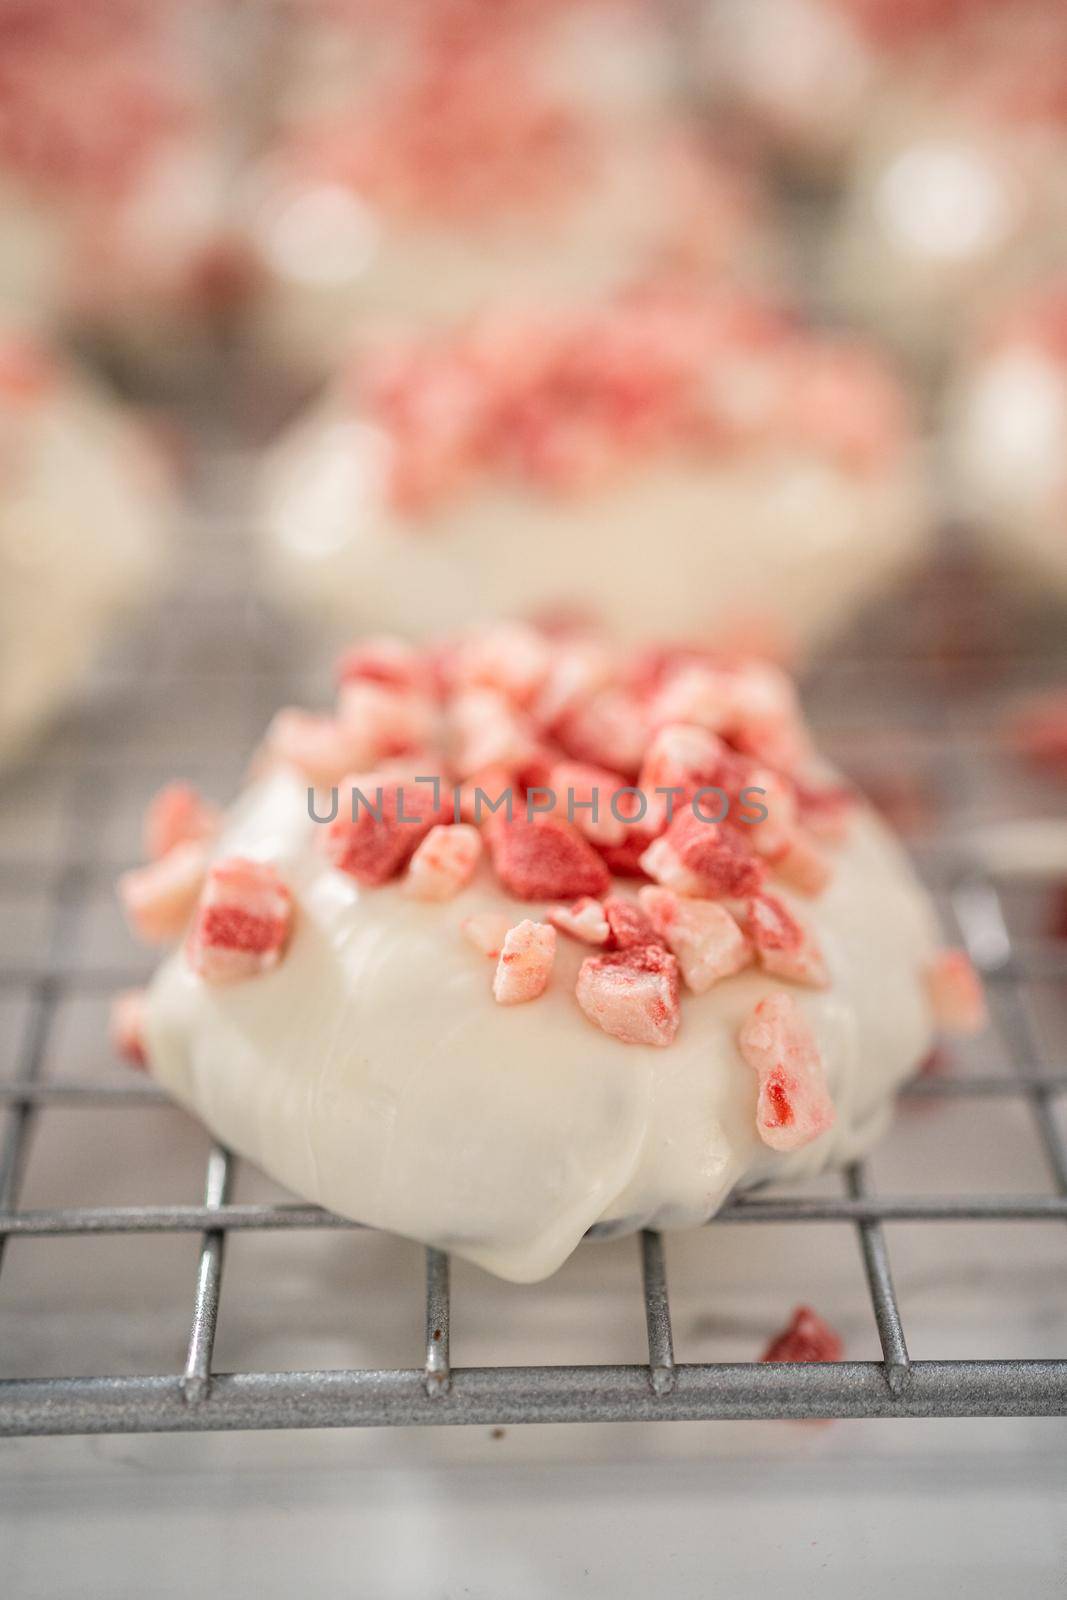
(116, 167)
(84, 508)
(669, 460)
(958, 189)
(1006, 437)
(471, 153)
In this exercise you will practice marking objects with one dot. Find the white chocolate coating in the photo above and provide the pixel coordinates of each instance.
(1007, 452)
(373, 1072)
(771, 536)
(82, 514)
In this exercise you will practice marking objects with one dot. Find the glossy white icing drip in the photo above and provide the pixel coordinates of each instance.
(374, 1073)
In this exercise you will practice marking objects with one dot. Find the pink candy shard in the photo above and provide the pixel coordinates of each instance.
(584, 795)
(634, 995)
(386, 660)
(545, 859)
(783, 947)
(698, 857)
(486, 931)
(609, 729)
(794, 1105)
(243, 921)
(178, 814)
(126, 1028)
(802, 866)
(380, 823)
(158, 899)
(628, 924)
(323, 748)
(584, 920)
(382, 721)
(806, 1337)
(956, 993)
(525, 964)
(680, 757)
(444, 862)
(509, 656)
(485, 730)
(702, 934)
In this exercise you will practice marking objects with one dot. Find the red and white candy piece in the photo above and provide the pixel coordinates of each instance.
(545, 859)
(633, 995)
(243, 921)
(444, 862)
(805, 1337)
(158, 899)
(584, 920)
(382, 720)
(609, 729)
(525, 963)
(323, 748)
(383, 659)
(127, 1026)
(794, 1105)
(703, 858)
(802, 865)
(701, 933)
(585, 795)
(178, 814)
(956, 993)
(628, 924)
(783, 946)
(378, 827)
(485, 730)
(486, 931)
(683, 758)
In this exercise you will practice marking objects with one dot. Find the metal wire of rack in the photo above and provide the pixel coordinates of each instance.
(199, 1398)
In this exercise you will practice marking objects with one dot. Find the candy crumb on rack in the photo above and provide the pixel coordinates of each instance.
(805, 1337)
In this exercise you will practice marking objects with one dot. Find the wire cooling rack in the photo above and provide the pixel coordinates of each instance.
(933, 678)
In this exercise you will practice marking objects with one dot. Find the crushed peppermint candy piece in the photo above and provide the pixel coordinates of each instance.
(486, 931)
(696, 856)
(126, 1028)
(784, 947)
(378, 827)
(444, 862)
(956, 993)
(803, 866)
(510, 657)
(545, 859)
(389, 721)
(584, 920)
(158, 899)
(525, 963)
(794, 1105)
(628, 924)
(178, 814)
(592, 798)
(703, 935)
(805, 1337)
(608, 729)
(323, 748)
(243, 921)
(633, 995)
(683, 759)
(485, 730)
(386, 660)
